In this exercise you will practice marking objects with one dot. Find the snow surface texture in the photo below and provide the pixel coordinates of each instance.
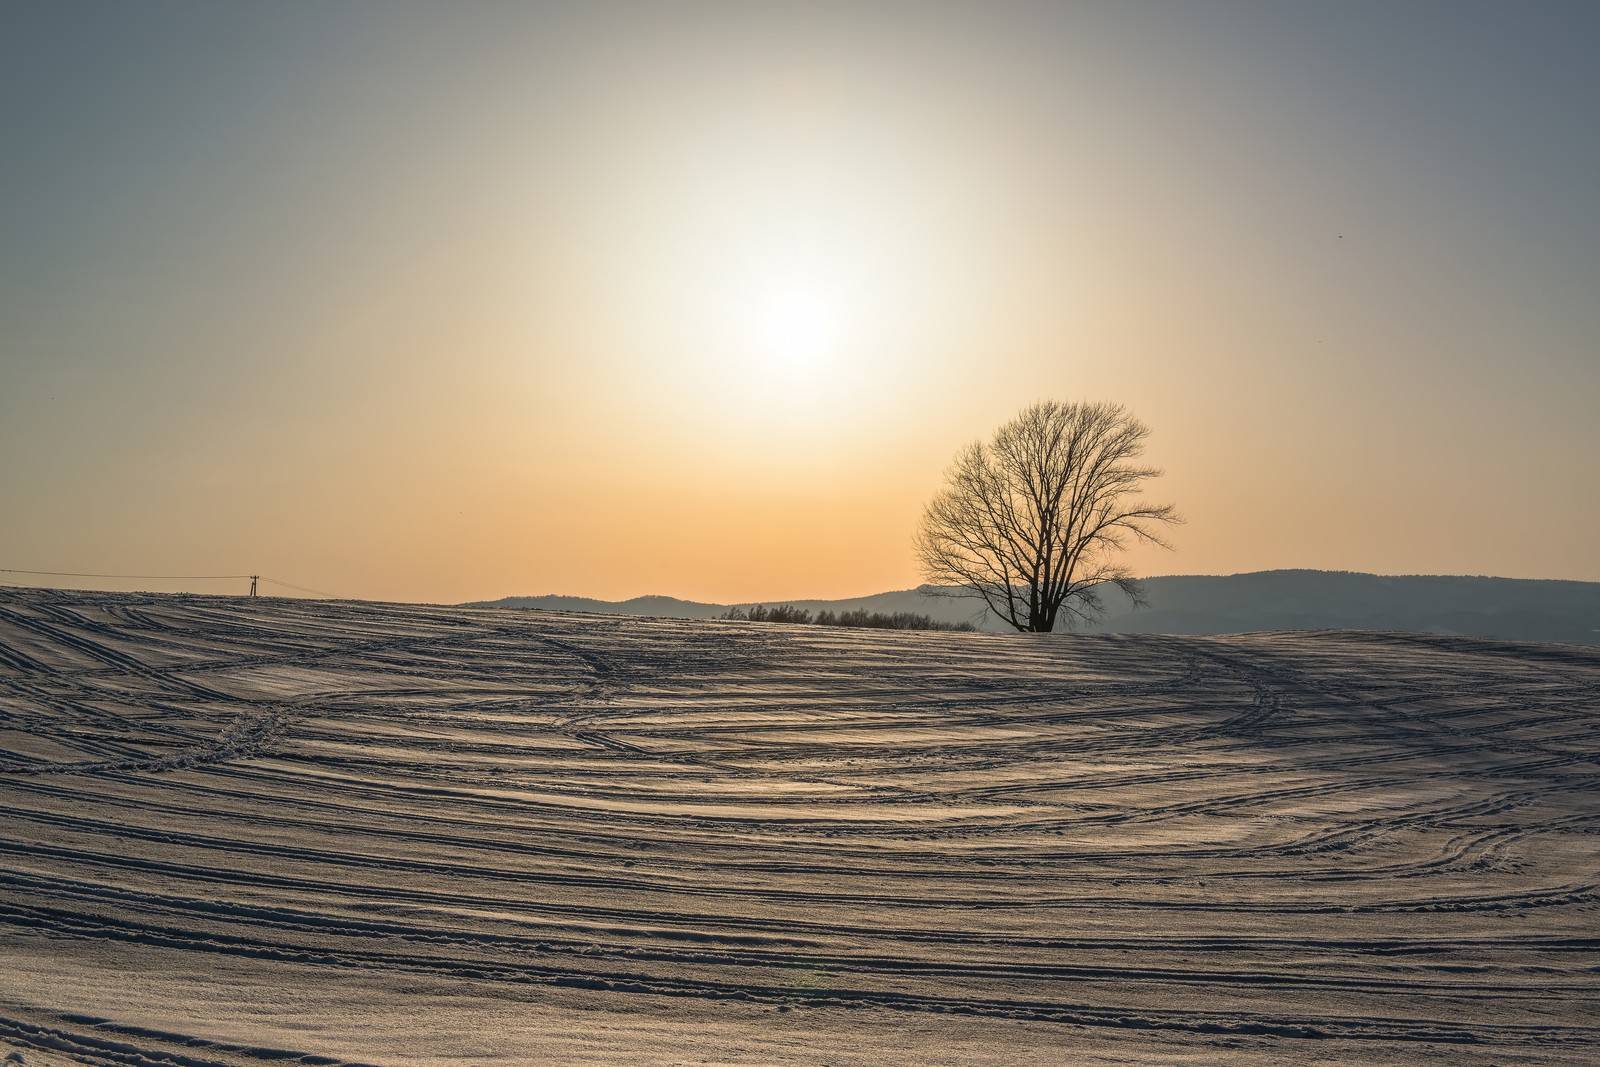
(264, 831)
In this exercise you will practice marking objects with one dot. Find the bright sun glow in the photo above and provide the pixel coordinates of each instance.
(796, 324)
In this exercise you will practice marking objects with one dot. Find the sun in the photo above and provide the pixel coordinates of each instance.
(796, 324)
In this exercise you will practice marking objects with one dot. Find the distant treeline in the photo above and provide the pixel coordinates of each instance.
(876, 620)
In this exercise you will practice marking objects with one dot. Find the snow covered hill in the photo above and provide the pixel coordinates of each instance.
(247, 831)
(1513, 609)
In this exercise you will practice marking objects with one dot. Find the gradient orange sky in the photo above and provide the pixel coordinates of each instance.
(456, 303)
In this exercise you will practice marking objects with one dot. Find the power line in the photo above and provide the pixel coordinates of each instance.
(303, 589)
(179, 578)
(145, 577)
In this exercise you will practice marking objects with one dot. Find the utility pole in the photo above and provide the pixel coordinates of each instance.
(253, 580)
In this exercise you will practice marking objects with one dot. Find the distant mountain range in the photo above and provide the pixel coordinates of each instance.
(1516, 609)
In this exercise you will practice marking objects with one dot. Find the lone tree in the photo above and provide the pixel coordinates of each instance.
(1031, 522)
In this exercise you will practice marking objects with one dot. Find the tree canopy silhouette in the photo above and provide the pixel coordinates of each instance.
(1033, 521)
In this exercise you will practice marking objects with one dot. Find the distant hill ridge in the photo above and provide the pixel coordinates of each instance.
(1517, 609)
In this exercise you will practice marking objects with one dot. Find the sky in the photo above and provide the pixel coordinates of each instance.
(453, 302)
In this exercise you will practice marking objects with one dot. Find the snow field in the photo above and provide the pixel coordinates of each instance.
(260, 830)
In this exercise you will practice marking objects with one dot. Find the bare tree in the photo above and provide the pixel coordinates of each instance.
(1032, 522)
